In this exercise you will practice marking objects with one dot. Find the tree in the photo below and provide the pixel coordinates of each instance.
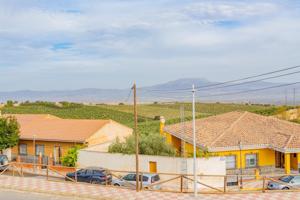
(153, 144)
(70, 159)
(9, 103)
(9, 132)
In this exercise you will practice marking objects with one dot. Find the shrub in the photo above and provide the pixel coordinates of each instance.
(9, 132)
(70, 159)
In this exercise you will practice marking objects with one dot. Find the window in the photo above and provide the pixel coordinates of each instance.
(23, 149)
(251, 160)
(129, 177)
(39, 149)
(230, 162)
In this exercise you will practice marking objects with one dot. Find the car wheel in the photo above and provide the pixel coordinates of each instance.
(116, 184)
(285, 188)
(95, 181)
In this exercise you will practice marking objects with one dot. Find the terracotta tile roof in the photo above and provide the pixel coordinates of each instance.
(52, 128)
(223, 132)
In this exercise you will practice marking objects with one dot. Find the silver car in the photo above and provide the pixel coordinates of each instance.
(129, 180)
(285, 183)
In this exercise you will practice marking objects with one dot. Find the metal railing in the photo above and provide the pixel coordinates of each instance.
(169, 182)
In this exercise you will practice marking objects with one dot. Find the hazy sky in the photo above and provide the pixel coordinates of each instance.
(70, 44)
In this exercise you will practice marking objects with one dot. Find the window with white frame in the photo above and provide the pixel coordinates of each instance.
(23, 149)
(230, 162)
(251, 160)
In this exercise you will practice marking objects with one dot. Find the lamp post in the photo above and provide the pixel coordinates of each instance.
(241, 167)
(194, 145)
(34, 150)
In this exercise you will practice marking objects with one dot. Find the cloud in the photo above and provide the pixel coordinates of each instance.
(142, 40)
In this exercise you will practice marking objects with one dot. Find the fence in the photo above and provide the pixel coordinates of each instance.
(171, 183)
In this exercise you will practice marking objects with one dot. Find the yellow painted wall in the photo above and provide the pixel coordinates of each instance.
(174, 141)
(266, 157)
(48, 146)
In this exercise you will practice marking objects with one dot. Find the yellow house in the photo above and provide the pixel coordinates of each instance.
(247, 140)
(53, 137)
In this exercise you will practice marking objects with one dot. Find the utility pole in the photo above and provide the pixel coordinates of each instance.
(194, 144)
(136, 139)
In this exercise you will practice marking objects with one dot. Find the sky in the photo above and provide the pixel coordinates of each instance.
(73, 44)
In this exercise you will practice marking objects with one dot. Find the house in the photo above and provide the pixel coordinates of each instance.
(247, 140)
(52, 136)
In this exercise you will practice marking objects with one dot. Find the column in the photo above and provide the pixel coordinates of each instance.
(287, 163)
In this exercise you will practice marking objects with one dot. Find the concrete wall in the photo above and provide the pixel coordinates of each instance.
(176, 165)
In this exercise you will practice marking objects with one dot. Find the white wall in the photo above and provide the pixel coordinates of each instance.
(176, 165)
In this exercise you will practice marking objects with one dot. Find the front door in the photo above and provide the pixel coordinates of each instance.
(57, 155)
(279, 159)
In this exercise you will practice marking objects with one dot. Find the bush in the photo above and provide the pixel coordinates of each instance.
(9, 103)
(9, 132)
(70, 159)
(153, 144)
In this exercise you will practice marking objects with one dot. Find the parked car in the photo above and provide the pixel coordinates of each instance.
(94, 175)
(285, 183)
(3, 162)
(129, 180)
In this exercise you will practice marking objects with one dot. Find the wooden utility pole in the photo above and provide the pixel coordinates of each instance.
(136, 138)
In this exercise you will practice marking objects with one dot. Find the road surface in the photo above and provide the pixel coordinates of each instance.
(18, 195)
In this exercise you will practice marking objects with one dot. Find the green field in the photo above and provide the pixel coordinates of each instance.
(124, 113)
(150, 111)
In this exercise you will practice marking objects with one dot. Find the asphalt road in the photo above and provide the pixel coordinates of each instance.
(18, 195)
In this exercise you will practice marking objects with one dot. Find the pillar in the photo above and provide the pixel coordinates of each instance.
(50, 159)
(162, 125)
(287, 163)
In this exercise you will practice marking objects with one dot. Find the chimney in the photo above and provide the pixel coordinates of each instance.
(162, 125)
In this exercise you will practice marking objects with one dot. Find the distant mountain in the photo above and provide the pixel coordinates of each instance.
(178, 90)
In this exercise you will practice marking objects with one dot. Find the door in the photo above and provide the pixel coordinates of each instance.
(81, 175)
(129, 180)
(295, 182)
(152, 167)
(87, 176)
(279, 159)
(57, 155)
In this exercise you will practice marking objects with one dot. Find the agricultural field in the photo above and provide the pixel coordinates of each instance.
(75, 112)
(148, 113)
(215, 108)
(151, 111)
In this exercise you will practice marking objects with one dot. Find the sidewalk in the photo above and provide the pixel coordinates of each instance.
(112, 193)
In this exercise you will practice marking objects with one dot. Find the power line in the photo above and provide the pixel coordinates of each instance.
(254, 81)
(129, 95)
(254, 90)
(224, 83)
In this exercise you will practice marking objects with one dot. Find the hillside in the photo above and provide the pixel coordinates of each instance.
(148, 94)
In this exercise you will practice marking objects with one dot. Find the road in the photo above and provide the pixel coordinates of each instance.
(18, 195)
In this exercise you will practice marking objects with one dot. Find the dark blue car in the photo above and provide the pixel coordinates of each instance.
(92, 175)
(3, 162)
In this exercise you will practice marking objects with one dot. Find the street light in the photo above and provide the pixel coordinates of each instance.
(241, 167)
(34, 150)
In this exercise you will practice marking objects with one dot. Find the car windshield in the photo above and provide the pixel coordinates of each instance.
(286, 179)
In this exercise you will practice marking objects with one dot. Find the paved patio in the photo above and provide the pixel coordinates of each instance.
(100, 192)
